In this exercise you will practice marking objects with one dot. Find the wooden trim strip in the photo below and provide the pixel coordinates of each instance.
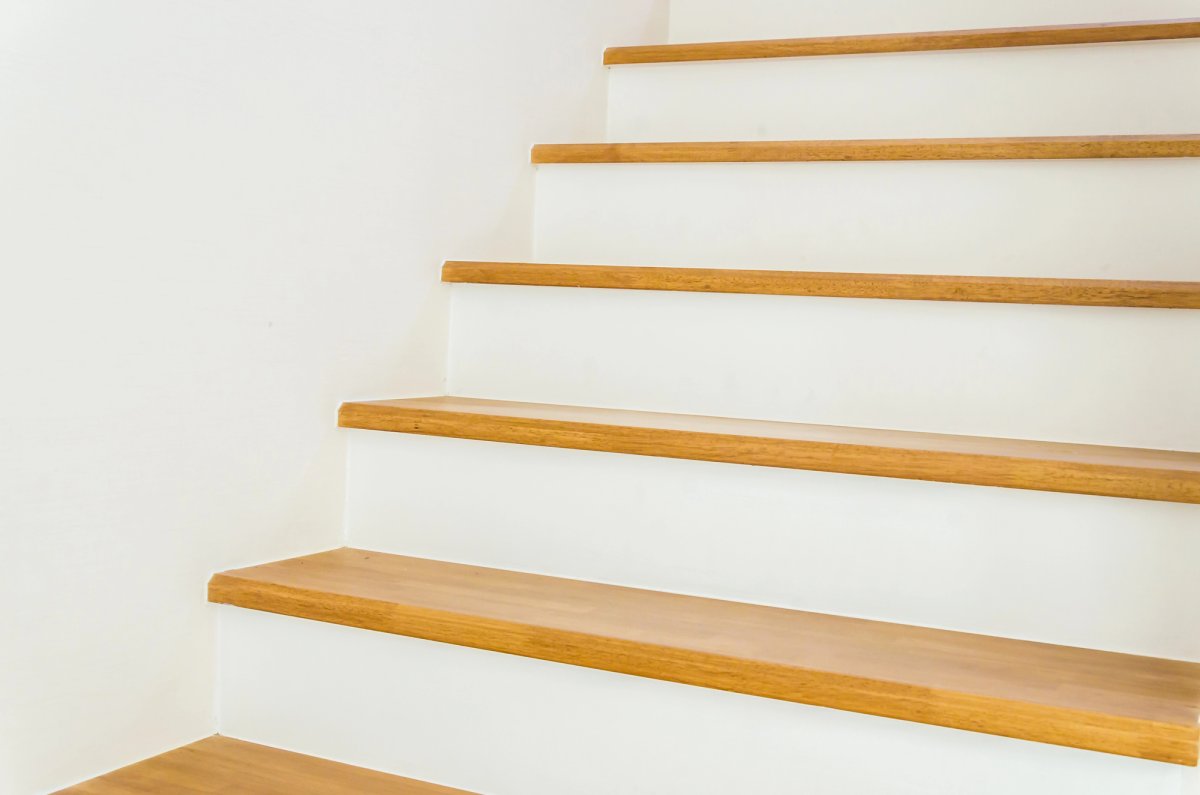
(983, 461)
(1100, 701)
(224, 765)
(1051, 148)
(983, 289)
(986, 38)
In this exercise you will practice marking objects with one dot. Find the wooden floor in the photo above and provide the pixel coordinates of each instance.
(985, 461)
(221, 766)
(1121, 704)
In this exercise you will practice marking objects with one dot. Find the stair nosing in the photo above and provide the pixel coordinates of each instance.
(916, 287)
(921, 41)
(1098, 470)
(1061, 147)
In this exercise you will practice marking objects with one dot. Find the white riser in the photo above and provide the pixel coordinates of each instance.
(1083, 90)
(1084, 571)
(721, 20)
(1079, 374)
(506, 725)
(1115, 219)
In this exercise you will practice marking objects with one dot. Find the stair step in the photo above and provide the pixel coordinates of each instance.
(1041, 35)
(1102, 701)
(1168, 476)
(992, 561)
(1004, 290)
(221, 764)
(488, 723)
(711, 20)
(1136, 88)
(949, 367)
(1029, 148)
(1121, 218)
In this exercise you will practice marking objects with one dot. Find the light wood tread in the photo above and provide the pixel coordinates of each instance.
(1007, 290)
(1122, 704)
(222, 765)
(1044, 148)
(1043, 466)
(1150, 30)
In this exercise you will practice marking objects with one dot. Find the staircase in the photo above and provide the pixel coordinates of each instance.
(828, 443)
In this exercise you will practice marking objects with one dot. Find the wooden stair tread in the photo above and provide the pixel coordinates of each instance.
(1150, 30)
(1014, 463)
(1035, 148)
(1124, 704)
(223, 765)
(990, 289)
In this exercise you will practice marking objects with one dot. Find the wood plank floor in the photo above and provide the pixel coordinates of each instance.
(1013, 463)
(222, 766)
(983, 289)
(1122, 704)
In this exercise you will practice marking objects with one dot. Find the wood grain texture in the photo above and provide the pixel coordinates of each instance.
(985, 38)
(1117, 703)
(219, 765)
(986, 289)
(984, 461)
(1047, 148)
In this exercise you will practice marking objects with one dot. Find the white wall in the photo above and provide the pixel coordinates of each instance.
(217, 220)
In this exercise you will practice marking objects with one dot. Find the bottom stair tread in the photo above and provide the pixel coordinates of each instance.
(1103, 701)
(223, 765)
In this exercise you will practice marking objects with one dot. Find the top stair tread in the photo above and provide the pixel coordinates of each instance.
(1041, 35)
(1063, 147)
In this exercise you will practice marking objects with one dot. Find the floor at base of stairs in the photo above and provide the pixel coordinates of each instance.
(223, 765)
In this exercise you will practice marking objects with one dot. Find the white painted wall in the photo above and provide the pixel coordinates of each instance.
(217, 220)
